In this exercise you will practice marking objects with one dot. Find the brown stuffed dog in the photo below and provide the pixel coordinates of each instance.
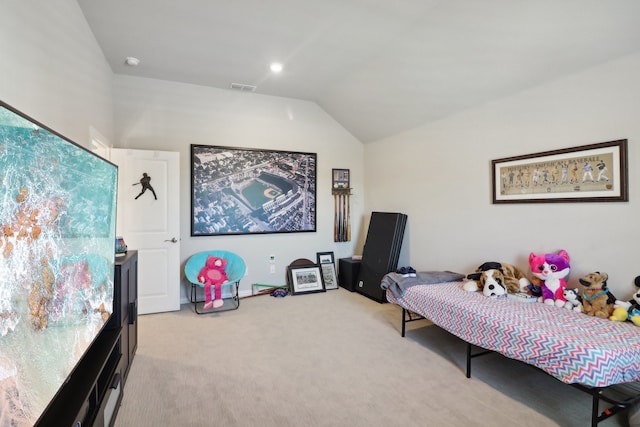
(496, 279)
(596, 299)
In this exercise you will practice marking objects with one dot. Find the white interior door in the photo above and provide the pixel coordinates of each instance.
(149, 221)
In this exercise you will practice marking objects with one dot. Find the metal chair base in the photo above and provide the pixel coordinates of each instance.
(231, 303)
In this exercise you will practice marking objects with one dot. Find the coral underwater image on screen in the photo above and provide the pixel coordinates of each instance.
(56, 261)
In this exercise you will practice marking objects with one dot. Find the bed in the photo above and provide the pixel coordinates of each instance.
(589, 353)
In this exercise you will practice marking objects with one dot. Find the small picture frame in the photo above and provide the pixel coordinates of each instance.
(305, 279)
(325, 258)
(340, 179)
(121, 246)
(326, 261)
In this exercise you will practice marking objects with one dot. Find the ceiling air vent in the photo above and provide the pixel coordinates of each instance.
(243, 88)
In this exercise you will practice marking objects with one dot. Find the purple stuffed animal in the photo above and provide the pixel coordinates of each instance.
(553, 270)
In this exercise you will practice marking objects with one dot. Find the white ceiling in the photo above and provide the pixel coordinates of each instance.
(379, 67)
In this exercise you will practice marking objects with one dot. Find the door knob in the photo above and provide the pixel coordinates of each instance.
(173, 240)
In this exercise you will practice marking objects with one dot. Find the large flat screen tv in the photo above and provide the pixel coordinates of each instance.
(57, 246)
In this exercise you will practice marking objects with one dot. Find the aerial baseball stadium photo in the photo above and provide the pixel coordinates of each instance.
(243, 191)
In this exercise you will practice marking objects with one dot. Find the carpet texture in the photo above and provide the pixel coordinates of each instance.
(326, 360)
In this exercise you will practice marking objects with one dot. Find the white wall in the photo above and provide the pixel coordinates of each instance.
(439, 175)
(53, 69)
(160, 115)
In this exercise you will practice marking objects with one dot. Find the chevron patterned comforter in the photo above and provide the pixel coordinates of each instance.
(573, 347)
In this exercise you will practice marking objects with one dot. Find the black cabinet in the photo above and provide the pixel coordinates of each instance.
(89, 387)
(92, 394)
(348, 270)
(125, 314)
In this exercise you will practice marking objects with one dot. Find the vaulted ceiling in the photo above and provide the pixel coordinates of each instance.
(379, 67)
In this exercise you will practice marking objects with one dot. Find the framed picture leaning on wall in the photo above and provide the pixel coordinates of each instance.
(305, 279)
(326, 261)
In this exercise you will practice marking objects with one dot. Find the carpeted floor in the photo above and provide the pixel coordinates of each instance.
(329, 359)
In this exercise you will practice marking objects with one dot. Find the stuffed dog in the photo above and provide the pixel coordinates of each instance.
(597, 300)
(496, 279)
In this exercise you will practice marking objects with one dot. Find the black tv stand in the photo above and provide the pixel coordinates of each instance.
(92, 394)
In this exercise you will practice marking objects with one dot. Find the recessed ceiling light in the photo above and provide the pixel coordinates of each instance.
(131, 61)
(276, 67)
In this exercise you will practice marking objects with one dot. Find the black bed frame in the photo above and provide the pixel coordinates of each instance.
(631, 393)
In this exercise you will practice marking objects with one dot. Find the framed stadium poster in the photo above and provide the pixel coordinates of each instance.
(251, 191)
